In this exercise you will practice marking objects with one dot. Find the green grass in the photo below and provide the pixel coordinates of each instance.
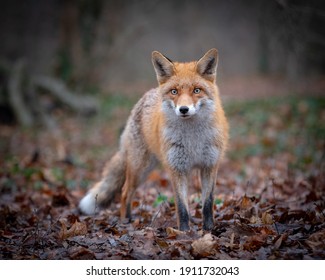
(160, 199)
(115, 102)
(293, 125)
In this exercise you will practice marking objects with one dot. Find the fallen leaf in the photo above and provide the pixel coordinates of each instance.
(205, 246)
(245, 202)
(161, 242)
(255, 242)
(279, 242)
(316, 241)
(76, 229)
(81, 253)
(267, 218)
(173, 233)
(254, 219)
(232, 238)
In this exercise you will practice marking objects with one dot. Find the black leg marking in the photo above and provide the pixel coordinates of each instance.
(183, 217)
(128, 211)
(208, 213)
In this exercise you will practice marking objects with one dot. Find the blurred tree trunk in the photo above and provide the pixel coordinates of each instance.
(24, 93)
(78, 26)
(71, 52)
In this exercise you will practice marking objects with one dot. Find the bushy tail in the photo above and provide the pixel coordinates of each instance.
(103, 192)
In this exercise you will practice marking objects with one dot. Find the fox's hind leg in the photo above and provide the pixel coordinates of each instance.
(128, 191)
(136, 173)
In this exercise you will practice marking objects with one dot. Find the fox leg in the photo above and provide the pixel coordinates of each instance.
(208, 179)
(128, 191)
(180, 184)
(137, 171)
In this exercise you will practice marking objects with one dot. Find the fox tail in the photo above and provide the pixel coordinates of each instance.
(104, 191)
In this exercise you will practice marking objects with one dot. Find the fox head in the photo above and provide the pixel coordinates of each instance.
(187, 88)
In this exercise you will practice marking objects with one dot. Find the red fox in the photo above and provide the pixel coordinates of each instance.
(181, 124)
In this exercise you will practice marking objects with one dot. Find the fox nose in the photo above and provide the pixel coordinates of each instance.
(183, 109)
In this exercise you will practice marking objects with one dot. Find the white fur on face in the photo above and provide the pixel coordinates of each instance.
(192, 111)
(203, 108)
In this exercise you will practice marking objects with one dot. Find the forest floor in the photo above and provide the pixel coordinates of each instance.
(269, 198)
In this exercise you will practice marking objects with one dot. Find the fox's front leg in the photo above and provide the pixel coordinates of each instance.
(208, 179)
(180, 184)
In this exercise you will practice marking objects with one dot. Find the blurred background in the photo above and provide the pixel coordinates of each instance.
(70, 72)
(106, 45)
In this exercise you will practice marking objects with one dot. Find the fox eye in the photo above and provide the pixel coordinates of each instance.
(197, 90)
(173, 91)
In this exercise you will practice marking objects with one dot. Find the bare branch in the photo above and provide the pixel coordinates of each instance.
(57, 88)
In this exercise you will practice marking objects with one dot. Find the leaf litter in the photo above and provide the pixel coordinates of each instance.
(270, 194)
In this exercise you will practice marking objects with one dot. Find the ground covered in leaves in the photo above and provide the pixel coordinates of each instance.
(269, 198)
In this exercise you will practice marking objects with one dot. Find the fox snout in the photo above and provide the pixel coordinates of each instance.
(185, 111)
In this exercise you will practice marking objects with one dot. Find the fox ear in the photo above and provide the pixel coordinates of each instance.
(207, 65)
(163, 66)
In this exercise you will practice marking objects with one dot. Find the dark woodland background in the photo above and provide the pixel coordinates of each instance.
(108, 43)
(70, 72)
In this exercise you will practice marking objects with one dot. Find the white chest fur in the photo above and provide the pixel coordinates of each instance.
(191, 143)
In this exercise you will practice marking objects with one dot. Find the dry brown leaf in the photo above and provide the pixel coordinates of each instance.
(173, 233)
(255, 242)
(162, 243)
(267, 231)
(163, 182)
(316, 241)
(76, 229)
(135, 204)
(63, 230)
(254, 219)
(232, 238)
(267, 218)
(204, 246)
(81, 253)
(245, 202)
(279, 242)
